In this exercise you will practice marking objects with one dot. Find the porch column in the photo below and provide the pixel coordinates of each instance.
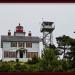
(18, 54)
(24, 54)
(17, 45)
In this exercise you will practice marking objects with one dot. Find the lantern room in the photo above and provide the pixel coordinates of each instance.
(19, 28)
(19, 31)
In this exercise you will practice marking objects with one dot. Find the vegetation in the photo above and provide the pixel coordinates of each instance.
(63, 43)
(49, 61)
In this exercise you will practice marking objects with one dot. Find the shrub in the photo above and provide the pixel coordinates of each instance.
(5, 67)
(17, 60)
(34, 60)
(20, 68)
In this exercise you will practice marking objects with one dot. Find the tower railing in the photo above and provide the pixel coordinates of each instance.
(47, 28)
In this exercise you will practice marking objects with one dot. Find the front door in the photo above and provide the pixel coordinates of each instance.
(21, 54)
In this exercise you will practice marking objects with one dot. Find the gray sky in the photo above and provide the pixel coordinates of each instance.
(30, 16)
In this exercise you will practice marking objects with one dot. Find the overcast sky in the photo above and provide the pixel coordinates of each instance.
(30, 16)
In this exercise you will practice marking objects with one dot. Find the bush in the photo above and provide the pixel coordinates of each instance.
(17, 60)
(33, 68)
(5, 67)
(34, 60)
(29, 61)
(20, 68)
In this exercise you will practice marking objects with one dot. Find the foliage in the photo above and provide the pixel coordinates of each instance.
(72, 52)
(17, 60)
(34, 60)
(49, 59)
(18, 67)
(48, 62)
(63, 43)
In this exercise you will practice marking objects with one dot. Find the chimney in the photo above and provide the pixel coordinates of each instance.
(29, 34)
(9, 33)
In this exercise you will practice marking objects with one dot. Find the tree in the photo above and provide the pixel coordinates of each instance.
(49, 57)
(63, 42)
(72, 52)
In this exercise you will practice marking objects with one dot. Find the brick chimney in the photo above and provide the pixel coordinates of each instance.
(29, 34)
(9, 33)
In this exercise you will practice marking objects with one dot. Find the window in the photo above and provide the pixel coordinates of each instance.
(9, 54)
(32, 54)
(13, 44)
(12, 54)
(21, 44)
(5, 54)
(29, 44)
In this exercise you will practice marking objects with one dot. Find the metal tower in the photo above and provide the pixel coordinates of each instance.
(47, 29)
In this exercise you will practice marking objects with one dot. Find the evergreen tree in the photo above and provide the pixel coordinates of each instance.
(63, 43)
(49, 59)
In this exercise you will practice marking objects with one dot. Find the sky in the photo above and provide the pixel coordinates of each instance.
(31, 16)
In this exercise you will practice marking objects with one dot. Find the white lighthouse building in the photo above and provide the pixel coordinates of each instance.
(19, 46)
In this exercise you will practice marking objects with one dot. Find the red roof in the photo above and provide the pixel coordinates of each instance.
(19, 28)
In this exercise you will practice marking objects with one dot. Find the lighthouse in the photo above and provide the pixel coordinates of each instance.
(19, 31)
(19, 46)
